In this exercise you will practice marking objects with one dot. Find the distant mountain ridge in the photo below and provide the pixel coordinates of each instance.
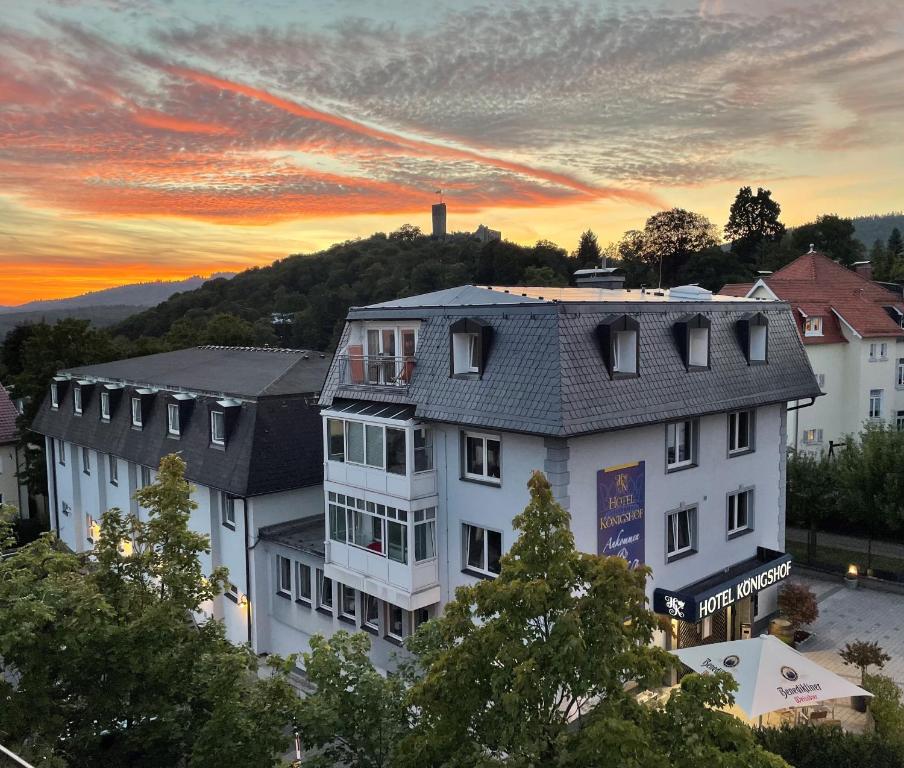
(137, 295)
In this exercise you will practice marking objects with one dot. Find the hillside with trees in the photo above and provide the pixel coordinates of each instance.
(309, 295)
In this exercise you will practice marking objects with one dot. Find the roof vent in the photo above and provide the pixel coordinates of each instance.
(600, 277)
(690, 293)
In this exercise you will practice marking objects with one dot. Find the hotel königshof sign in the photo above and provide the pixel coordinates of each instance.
(690, 605)
(620, 512)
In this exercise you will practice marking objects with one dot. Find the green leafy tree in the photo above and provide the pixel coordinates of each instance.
(863, 654)
(356, 717)
(529, 669)
(753, 222)
(406, 232)
(712, 268)
(104, 665)
(887, 709)
(588, 253)
(229, 331)
(811, 492)
(831, 235)
(670, 238)
(871, 481)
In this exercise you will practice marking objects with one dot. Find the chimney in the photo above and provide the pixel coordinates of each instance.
(600, 277)
(864, 269)
(439, 220)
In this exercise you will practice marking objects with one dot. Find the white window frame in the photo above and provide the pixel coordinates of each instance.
(812, 436)
(424, 519)
(324, 605)
(55, 396)
(86, 460)
(389, 608)
(737, 449)
(77, 400)
(173, 424)
(137, 416)
(672, 519)
(227, 510)
(307, 599)
(732, 508)
(218, 436)
(758, 348)
(484, 568)
(343, 613)
(465, 353)
(671, 436)
(883, 350)
(485, 438)
(624, 352)
(899, 380)
(698, 347)
(113, 469)
(145, 479)
(283, 576)
(104, 405)
(425, 449)
(370, 601)
(813, 326)
(61, 453)
(876, 397)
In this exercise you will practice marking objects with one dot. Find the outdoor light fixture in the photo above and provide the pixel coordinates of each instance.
(852, 570)
(243, 600)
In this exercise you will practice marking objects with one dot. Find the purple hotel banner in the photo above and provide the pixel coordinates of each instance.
(620, 512)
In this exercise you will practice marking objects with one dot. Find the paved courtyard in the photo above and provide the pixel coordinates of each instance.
(855, 614)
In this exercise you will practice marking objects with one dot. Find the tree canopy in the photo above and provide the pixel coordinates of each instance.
(753, 222)
(530, 669)
(104, 665)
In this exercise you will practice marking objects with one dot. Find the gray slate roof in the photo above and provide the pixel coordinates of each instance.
(305, 535)
(276, 442)
(236, 371)
(545, 374)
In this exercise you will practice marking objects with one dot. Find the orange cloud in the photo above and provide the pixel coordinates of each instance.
(154, 119)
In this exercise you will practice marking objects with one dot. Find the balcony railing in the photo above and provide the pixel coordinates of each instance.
(376, 370)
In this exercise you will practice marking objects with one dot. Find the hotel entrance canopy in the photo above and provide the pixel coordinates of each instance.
(707, 596)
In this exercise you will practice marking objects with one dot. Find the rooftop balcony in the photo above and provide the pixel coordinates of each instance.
(359, 370)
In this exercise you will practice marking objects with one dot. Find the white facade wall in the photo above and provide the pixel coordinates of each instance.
(12, 491)
(850, 374)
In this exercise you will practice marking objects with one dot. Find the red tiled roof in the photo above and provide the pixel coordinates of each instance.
(823, 288)
(8, 415)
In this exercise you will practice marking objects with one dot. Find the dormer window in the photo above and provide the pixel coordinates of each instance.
(77, 400)
(469, 347)
(813, 326)
(137, 416)
(105, 406)
(172, 419)
(54, 396)
(692, 337)
(753, 334)
(218, 428)
(619, 337)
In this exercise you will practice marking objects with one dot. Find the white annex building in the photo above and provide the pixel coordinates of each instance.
(851, 329)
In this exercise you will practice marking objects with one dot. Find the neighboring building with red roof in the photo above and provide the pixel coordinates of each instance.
(851, 328)
(11, 491)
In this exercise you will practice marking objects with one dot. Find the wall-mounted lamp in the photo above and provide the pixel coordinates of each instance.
(243, 600)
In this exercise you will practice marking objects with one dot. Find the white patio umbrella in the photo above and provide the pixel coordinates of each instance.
(770, 674)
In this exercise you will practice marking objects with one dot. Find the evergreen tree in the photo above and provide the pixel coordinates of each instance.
(880, 262)
(588, 253)
(753, 223)
(895, 255)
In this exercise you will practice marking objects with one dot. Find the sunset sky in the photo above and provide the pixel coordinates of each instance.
(155, 139)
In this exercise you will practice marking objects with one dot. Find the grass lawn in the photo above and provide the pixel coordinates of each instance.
(840, 559)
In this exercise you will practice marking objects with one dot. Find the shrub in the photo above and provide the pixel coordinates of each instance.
(886, 709)
(797, 604)
(806, 746)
